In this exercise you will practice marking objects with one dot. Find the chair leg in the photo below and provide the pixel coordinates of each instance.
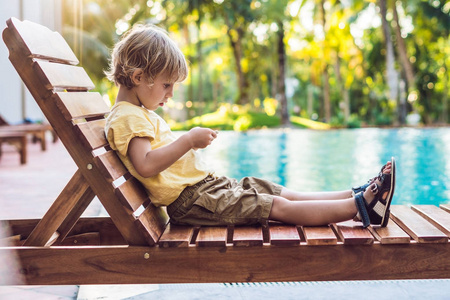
(43, 140)
(23, 150)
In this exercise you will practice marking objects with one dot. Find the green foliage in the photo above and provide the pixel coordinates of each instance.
(354, 121)
(230, 117)
(344, 39)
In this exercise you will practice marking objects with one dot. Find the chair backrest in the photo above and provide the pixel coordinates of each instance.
(48, 68)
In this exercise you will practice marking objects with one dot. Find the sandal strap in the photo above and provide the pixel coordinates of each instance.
(362, 210)
(361, 188)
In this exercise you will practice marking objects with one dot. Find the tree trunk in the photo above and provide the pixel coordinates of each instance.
(406, 66)
(402, 52)
(325, 76)
(391, 73)
(242, 80)
(200, 65)
(274, 82)
(236, 45)
(403, 95)
(444, 116)
(345, 106)
(310, 101)
(326, 94)
(190, 91)
(281, 75)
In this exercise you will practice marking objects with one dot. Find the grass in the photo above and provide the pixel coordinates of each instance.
(240, 118)
(310, 124)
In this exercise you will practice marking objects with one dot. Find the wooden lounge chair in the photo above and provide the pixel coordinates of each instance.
(136, 244)
(38, 131)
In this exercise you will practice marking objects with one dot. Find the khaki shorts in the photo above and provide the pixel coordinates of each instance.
(224, 201)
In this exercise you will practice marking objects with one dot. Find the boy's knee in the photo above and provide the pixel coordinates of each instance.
(278, 205)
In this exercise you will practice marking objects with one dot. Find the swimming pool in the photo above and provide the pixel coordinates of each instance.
(309, 160)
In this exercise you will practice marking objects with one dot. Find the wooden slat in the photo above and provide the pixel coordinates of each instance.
(319, 235)
(92, 133)
(265, 231)
(81, 105)
(445, 207)
(212, 237)
(434, 215)
(110, 165)
(176, 236)
(59, 76)
(352, 233)
(132, 194)
(248, 236)
(416, 226)
(153, 222)
(391, 234)
(283, 235)
(54, 48)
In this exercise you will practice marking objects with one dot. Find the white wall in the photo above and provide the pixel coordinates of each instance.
(16, 103)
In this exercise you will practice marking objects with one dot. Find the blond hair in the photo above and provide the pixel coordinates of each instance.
(150, 49)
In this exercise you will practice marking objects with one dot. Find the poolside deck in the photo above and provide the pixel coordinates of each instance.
(27, 191)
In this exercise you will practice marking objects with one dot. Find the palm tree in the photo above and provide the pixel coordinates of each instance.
(274, 11)
(237, 16)
(325, 75)
(391, 72)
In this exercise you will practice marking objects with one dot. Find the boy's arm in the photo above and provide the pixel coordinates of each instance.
(149, 162)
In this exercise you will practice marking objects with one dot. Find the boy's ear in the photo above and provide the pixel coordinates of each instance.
(137, 77)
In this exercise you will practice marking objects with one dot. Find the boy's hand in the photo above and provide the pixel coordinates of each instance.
(201, 137)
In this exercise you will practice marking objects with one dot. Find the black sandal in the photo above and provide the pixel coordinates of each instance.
(378, 211)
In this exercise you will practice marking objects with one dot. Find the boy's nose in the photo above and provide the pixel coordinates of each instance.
(169, 93)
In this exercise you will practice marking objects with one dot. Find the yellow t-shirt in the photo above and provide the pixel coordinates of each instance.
(127, 121)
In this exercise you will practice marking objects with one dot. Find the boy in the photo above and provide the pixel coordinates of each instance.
(145, 65)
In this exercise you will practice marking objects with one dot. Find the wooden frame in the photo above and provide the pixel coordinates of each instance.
(136, 244)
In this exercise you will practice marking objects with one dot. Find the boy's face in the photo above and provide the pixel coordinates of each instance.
(156, 95)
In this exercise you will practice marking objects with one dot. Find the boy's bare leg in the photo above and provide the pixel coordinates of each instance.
(302, 196)
(316, 212)
(335, 195)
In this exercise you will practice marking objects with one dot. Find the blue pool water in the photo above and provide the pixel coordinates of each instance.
(309, 160)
